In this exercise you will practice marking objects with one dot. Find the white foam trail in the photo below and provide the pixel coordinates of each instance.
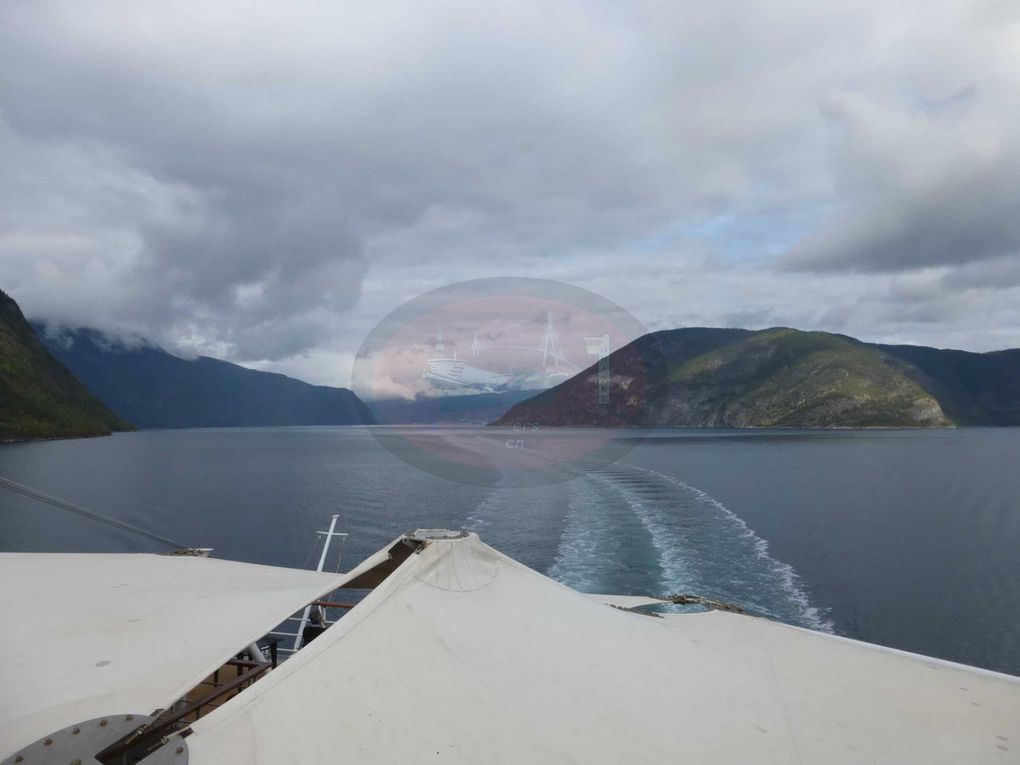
(594, 546)
(580, 553)
(676, 574)
(476, 519)
(790, 581)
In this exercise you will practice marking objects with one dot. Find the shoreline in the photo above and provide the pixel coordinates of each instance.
(33, 439)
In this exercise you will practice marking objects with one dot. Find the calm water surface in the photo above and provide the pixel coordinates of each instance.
(905, 538)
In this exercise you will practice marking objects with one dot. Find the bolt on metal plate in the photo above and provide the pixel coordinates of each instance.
(78, 743)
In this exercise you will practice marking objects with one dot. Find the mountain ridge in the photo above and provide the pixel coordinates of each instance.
(157, 389)
(783, 377)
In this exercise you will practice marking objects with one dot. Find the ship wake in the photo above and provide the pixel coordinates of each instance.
(632, 530)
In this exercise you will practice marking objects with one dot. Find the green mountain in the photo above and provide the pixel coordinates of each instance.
(782, 378)
(39, 397)
(155, 389)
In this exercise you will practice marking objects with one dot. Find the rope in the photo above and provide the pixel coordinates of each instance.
(698, 600)
(18, 488)
(340, 552)
(311, 552)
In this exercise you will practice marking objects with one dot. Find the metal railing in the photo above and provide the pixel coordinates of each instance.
(284, 650)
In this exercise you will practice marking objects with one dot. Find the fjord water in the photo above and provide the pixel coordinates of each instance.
(906, 538)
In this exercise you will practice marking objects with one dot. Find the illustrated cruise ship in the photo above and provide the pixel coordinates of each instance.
(453, 373)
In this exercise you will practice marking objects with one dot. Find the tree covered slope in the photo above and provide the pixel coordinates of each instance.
(39, 397)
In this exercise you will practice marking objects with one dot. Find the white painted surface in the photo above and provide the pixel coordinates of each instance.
(84, 636)
(465, 656)
(627, 601)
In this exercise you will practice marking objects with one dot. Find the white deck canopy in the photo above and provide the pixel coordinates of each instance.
(463, 655)
(90, 635)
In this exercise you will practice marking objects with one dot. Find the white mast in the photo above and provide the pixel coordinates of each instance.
(322, 562)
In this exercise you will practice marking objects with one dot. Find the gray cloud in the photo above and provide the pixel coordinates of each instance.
(994, 274)
(262, 182)
(921, 186)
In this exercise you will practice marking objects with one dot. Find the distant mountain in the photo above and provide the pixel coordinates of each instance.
(469, 409)
(973, 388)
(782, 377)
(39, 397)
(155, 389)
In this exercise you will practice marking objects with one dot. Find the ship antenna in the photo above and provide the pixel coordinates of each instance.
(551, 345)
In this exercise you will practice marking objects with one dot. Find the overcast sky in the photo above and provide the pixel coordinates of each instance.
(264, 182)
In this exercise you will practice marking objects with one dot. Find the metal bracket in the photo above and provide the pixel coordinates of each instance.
(78, 743)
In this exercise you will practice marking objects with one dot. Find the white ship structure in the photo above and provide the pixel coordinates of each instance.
(453, 373)
(457, 654)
